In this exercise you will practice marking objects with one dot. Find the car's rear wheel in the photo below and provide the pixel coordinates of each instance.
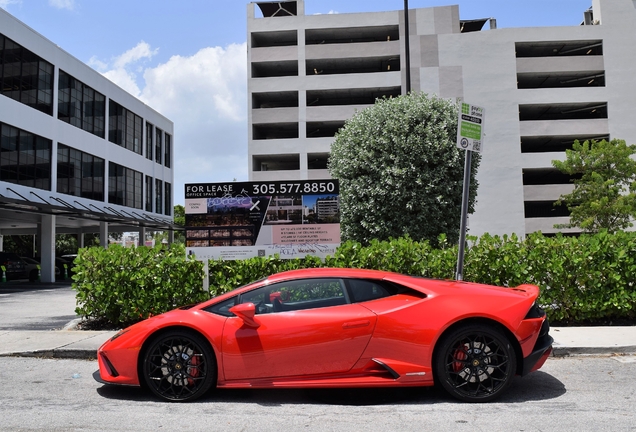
(179, 366)
(475, 363)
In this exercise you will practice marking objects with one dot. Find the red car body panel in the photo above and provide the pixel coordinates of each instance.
(388, 341)
(285, 345)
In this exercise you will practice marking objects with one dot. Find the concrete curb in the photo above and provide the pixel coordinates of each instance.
(83, 345)
(591, 351)
(56, 354)
(85, 354)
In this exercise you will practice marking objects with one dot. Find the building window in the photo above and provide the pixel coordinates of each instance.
(124, 127)
(25, 77)
(158, 196)
(148, 193)
(79, 174)
(167, 199)
(560, 48)
(158, 144)
(25, 158)
(149, 133)
(125, 186)
(317, 161)
(80, 105)
(347, 35)
(167, 146)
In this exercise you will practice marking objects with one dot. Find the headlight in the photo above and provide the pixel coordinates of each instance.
(119, 333)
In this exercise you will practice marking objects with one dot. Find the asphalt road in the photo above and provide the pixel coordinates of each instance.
(578, 393)
(25, 306)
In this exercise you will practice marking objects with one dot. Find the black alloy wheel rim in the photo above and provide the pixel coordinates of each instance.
(477, 366)
(176, 368)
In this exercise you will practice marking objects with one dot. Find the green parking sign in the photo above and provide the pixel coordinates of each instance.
(470, 127)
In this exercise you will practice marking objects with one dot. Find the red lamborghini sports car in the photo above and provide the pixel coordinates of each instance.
(337, 328)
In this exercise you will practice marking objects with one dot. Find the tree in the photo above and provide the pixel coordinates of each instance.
(400, 170)
(179, 219)
(179, 215)
(604, 195)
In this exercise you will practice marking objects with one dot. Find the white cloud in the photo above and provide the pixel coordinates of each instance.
(205, 96)
(140, 51)
(5, 3)
(96, 63)
(124, 67)
(123, 79)
(63, 4)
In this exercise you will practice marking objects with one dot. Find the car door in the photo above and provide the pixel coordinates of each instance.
(305, 327)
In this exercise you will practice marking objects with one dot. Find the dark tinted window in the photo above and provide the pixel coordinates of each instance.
(25, 158)
(124, 186)
(124, 127)
(79, 173)
(25, 77)
(80, 105)
(364, 290)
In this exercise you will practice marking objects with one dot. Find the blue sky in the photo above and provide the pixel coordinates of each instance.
(187, 59)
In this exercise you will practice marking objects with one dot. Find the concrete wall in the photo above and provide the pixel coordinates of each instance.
(480, 67)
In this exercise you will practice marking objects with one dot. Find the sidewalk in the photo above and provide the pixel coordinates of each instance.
(73, 344)
(593, 340)
(78, 344)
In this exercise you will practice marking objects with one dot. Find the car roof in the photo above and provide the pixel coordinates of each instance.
(320, 272)
(329, 272)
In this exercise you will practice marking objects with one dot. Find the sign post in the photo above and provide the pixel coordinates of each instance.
(470, 133)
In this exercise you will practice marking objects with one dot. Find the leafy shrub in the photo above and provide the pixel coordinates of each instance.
(227, 275)
(124, 285)
(400, 170)
(583, 280)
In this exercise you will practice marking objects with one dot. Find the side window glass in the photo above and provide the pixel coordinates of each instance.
(260, 297)
(222, 308)
(297, 295)
(365, 290)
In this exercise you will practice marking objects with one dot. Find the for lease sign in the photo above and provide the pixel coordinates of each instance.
(246, 219)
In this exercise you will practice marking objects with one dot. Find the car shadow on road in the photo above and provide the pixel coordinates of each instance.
(537, 386)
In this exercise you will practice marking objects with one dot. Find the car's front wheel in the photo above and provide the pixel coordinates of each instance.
(475, 363)
(179, 366)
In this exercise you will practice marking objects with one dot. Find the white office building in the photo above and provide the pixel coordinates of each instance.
(542, 88)
(78, 154)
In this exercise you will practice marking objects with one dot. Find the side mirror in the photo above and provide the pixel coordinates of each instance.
(246, 312)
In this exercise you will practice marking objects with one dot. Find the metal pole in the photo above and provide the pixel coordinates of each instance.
(407, 48)
(462, 230)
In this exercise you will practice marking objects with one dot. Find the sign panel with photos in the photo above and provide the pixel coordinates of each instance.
(241, 220)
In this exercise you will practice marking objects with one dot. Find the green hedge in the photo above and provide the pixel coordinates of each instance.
(584, 280)
(120, 285)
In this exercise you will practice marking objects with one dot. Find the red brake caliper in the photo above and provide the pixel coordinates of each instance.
(193, 370)
(459, 355)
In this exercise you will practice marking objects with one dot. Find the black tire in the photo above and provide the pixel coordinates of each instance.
(179, 366)
(33, 275)
(475, 363)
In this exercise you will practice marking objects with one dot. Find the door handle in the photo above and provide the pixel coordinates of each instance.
(356, 324)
